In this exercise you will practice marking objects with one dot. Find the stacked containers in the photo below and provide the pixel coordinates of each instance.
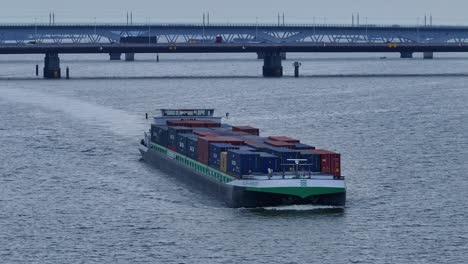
(284, 154)
(247, 129)
(330, 161)
(267, 161)
(181, 140)
(159, 134)
(215, 153)
(204, 145)
(241, 162)
(172, 136)
(223, 161)
(191, 149)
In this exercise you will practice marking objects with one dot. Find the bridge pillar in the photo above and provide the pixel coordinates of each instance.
(115, 56)
(261, 55)
(272, 65)
(129, 56)
(406, 55)
(52, 66)
(428, 55)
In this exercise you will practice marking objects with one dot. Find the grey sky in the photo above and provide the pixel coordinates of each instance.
(296, 11)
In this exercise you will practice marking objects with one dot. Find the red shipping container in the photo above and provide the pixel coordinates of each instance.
(330, 161)
(284, 139)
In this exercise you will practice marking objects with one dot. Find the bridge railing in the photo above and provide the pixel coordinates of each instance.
(231, 25)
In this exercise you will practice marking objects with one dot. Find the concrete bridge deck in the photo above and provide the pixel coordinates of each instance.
(228, 48)
(271, 52)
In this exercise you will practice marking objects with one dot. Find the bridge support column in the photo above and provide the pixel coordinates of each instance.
(272, 65)
(428, 55)
(52, 66)
(406, 55)
(261, 55)
(115, 56)
(129, 56)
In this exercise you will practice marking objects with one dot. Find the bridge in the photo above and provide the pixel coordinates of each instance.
(233, 33)
(272, 52)
(270, 42)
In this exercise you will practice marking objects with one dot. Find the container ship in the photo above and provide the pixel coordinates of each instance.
(238, 165)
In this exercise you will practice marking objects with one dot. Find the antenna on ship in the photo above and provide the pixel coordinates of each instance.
(227, 115)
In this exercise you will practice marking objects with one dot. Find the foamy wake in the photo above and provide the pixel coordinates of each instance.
(116, 121)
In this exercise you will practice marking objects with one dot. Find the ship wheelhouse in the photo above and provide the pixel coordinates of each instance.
(186, 114)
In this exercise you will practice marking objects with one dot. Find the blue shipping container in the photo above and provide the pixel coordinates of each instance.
(258, 146)
(181, 141)
(215, 152)
(192, 147)
(313, 160)
(159, 134)
(302, 146)
(284, 154)
(241, 162)
(267, 161)
(172, 135)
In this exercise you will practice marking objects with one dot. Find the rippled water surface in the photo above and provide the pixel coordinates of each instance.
(73, 190)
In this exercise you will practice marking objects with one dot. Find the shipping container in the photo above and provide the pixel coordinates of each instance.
(223, 133)
(284, 139)
(257, 145)
(247, 129)
(302, 146)
(267, 161)
(204, 145)
(254, 138)
(330, 161)
(182, 144)
(192, 147)
(284, 154)
(204, 133)
(173, 132)
(159, 134)
(240, 133)
(241, 162)
(279, 144)
(313, 161)
(215, 153)
(247, 148)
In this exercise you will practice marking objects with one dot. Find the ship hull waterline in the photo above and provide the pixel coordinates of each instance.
(244, 196)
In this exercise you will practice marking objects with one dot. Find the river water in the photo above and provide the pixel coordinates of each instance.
(73, 188)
